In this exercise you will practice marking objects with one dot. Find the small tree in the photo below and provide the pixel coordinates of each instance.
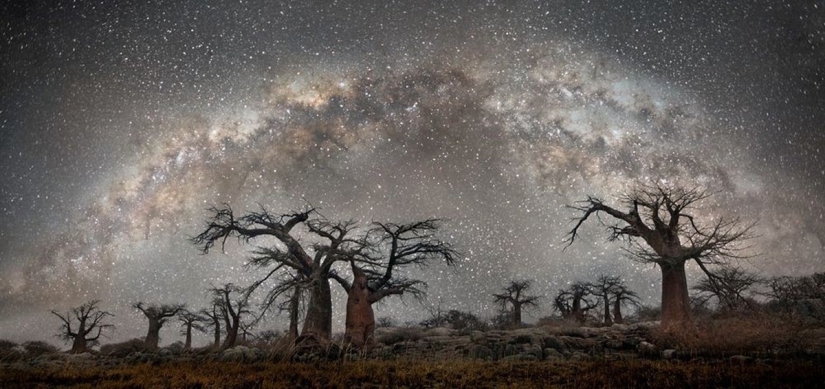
(232, 303)
(157, 316)
(574, 302)
(90, 320)
(623, 296)
(727, 287)
(190, 321)
(515, 295)
(603, 288)
(213, 317)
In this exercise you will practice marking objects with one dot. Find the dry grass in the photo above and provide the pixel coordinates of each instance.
(420, 374)
(756, 334)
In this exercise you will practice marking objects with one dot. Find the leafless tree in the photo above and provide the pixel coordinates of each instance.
(603, 287)
(214, 316)
(728, 287)
(190, 321)
(232, 303)
(389, 249)
(89, 320)
(660, 228)
(312, 272)
(157, 316)
(515, 295)
(623, 296)
(574, 302)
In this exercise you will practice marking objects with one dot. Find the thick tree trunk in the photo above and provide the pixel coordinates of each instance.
(617, 311)
(79, 344)
(187, 345)
(231, 333)
(318, 321)
(675, 299)
(217, 342)
(153, 336)
(517, 314)
(607, 320)
(360, 323)
(294, 307)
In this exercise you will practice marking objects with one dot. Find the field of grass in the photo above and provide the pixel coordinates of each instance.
(422, 374)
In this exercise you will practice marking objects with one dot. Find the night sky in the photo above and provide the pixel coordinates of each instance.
(122, 121)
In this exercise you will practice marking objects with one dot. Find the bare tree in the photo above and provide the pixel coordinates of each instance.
(574, 302)
(515, 295)
(389, 249)
(90, 320)
(728, 287)
(660, 229)
(214, 316)
(623, 296)
(603, 288)
(157, 316)
(312, 272)
(190, 321)
(232, 302)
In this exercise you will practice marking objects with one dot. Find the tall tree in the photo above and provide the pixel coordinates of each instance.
(157, 316)
(660, 229)
(574, 302)
(332, 244)
(90, 320)
(728, 287)
(515, 295)
(190, 321)
(389, 248)
(603, 288)
(233, 304)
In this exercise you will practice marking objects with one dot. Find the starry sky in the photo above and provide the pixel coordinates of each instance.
(123, 121)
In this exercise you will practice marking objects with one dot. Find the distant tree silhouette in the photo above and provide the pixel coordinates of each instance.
(603, 288)
(623, 296)
(90, 324)
(660, 229)
(574, 302)
(190, 321)
(157, 316)
(214, 316)
(232, 302)
(515, 295)
(728, 287)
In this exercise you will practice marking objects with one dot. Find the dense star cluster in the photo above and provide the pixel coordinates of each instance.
(122, 122)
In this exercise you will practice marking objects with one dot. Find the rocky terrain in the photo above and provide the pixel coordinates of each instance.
(617, 342)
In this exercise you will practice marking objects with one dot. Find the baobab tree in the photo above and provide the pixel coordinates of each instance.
(298, 268)
(157, 316)
(728, 287)
(623, 296)
(213, 317)
(603, 288)
(90, 320)
(660, 228)
(389, 249)
(190, 321)
(311, 271)
(574, 302)
(515, 295)
(232, 302)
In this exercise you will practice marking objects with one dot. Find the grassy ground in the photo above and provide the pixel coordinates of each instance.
(421, 374)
